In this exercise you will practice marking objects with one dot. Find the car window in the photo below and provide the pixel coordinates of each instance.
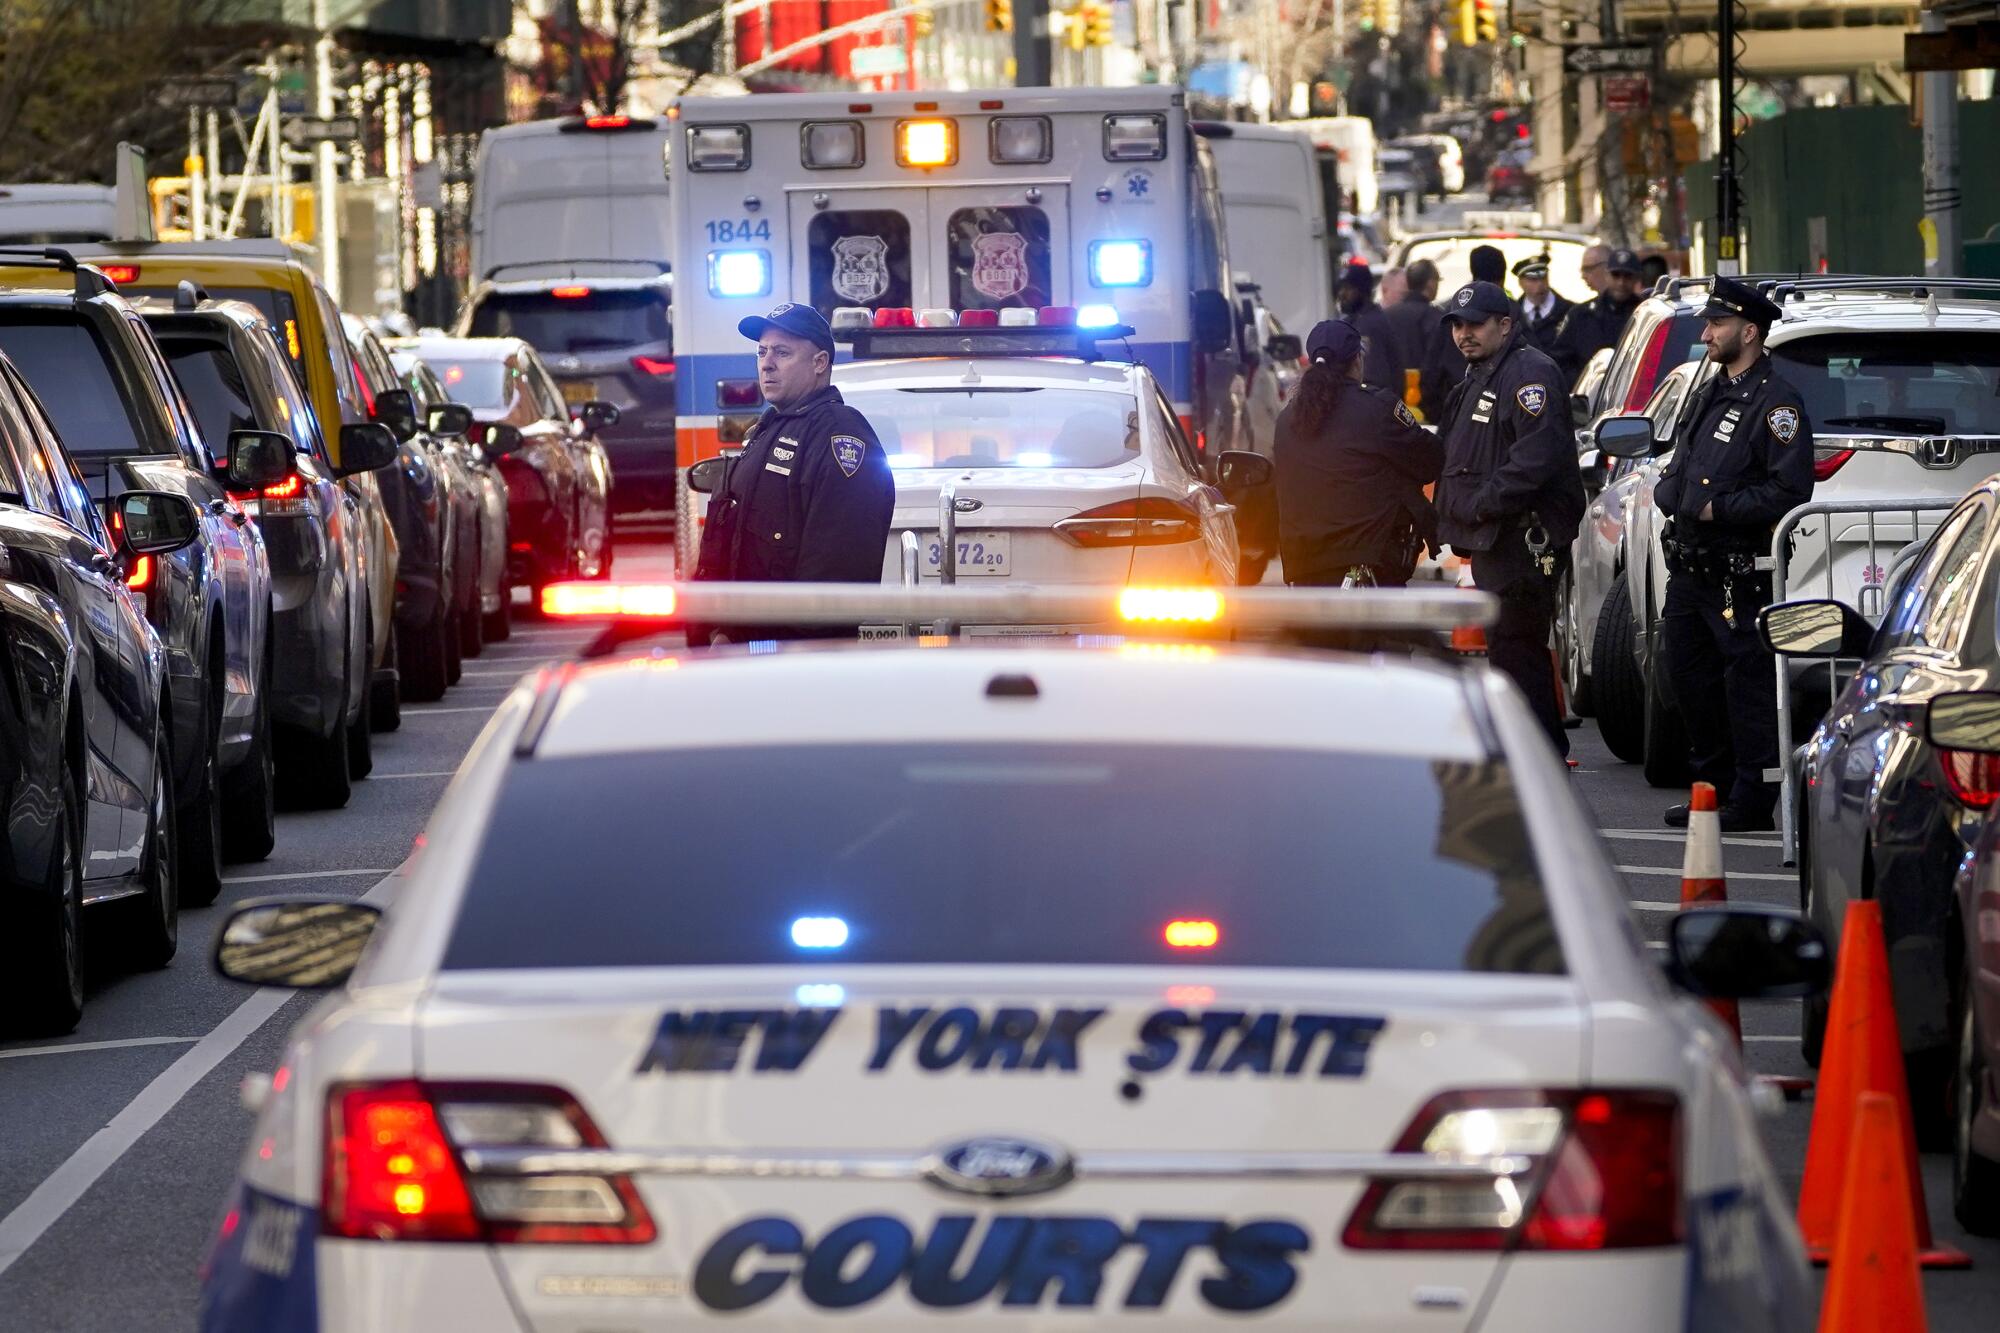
(1334, 860)
(193, 439)
(482, 384)
(548, 398)
(1177, 440)
(588, 321)
(1931, 604)
(15, 478)
(67, 364)
(49, 477)
(295, 409)
(993, 427)
(213, 383)
(1453, 256)
(346, 380)
(1914, 382)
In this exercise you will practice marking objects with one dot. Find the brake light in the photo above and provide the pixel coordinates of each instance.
(1148, 521)
(568, 293)
(1827, 461)
(140, 576)
(1602, 1173)
(737, 393)
(653, 365)
(123, 275)
(1972, 775)
(395, 1168)
(607, 122)
(1647, 377)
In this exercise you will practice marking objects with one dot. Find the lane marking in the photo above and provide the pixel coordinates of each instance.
(373, 777)
(68, 1047)
(1648, 905)
(1769, 840)
(301, 874)
(438, 712)
(1732, 874)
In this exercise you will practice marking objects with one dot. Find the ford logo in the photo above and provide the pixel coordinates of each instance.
(999, 1166)
(965, 504)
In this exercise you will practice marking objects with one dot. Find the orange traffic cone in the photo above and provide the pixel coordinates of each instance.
(1863, 1054)
(1702, 883)
(1875, 1284)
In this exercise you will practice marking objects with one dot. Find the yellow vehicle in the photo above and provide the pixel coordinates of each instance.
(269, 275)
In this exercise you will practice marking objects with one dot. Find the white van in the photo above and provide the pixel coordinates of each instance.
(52, 214)
(1352, 140)
(575, 189)
(1275, 217)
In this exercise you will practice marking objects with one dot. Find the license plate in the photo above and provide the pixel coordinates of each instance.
(980, 554)
(578, 392)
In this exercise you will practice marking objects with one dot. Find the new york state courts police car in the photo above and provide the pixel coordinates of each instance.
(1010, 984)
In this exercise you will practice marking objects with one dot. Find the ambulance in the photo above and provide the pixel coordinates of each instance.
(1085, 204)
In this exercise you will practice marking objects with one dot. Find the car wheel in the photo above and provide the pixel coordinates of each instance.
(1813, 1009)
(318, 769)
(154, 930)
(1569, 649)
(385, 697)
(249, 806)
(425, 669)
(200, 817)
(606, 551)
(499, 626)
(1617, 688)
(1975, 1180)
(454, 660)
(44, 940)
(1666, 754)
(361, 739)
(471, 628)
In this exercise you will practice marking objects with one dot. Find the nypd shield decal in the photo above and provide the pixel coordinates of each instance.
(1532, 398)
(848, 453)
(1784, 423)
(1405, 415)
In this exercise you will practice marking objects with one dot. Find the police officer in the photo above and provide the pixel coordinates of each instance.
(1743, 459)
(1351, 466)
(811, 498)
(1511, 496)
(1598, 322)
(1381, 359)
(1543, 308)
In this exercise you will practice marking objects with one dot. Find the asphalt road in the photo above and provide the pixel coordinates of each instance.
(118, 1142)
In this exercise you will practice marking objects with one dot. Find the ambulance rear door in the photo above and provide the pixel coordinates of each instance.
(860, 246)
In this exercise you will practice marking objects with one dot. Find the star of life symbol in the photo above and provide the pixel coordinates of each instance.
(1137, 182)
(1000, 264)
(861, 268)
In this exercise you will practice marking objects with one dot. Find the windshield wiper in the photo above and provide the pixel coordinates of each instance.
(1889, 421)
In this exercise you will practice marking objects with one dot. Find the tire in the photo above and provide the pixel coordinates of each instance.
(471, 628)
(250, 800)
(385, 697)
(1617, 689)
(199, 860)
(454, 660)
(361, 739)
(43, 951)
(608, 551)
(152, 928)
(1814, 1008)
(423, 661)
(499, 626)
(1666, 753)
(1975, 1180)
(319, 775)
(1569, 650)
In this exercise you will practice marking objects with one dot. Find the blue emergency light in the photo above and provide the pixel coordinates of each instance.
(1096, 317)
(734, 273)
(1121, 263)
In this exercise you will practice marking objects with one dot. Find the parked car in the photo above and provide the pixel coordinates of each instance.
(86, 784)
(1510, 178)
(486, 608)
(557, 474)
(1442, 158)
(121, 417)
(236, 377)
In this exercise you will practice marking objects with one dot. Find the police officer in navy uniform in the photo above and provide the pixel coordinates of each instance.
(1599, 322)
(1351, 466)
(1743, 459)
(1543, 308)
(1511, 496)
(811, 498)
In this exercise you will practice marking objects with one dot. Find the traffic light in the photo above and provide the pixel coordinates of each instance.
(1487, 20)
(1468, 23)
(1370, 16)
(1073, 30)
(923, 21)
(999, 15)
(1096, 23)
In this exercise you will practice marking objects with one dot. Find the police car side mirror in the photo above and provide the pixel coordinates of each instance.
(1214, 325)
(304, 943)
(1625, 437)
(1745, 952)
(1815, 628)
(707, 476)
(1239, 470)
(1965, 721)
(1284, 347)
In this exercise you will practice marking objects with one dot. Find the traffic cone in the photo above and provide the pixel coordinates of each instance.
(1863, 1054)
(1875, 1284)
(1702, 884)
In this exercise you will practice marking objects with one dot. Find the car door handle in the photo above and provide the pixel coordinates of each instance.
(1222, 509)
(103, 564)
(1843, 726)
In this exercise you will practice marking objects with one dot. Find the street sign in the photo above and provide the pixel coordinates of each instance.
(181, 94)
(1607, 59)
(873, 61)
(304, 130)
(1625, 93)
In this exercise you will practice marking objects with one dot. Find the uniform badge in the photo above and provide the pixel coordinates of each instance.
(1784, 423)
(1465, 295)
(1000, 264)
(1405, 415)
(861, 268)
(1532, 398)
(782, 454)
(848, 453)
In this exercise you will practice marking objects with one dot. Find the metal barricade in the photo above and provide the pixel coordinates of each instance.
(1780, 561)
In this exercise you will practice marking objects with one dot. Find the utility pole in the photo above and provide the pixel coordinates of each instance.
(1727, 226)
(326, 178)
(1033, 67)
(1938, 96)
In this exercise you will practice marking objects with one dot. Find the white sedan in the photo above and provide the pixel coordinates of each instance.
(1013, 989)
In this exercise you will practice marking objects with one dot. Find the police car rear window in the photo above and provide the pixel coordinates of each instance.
(1000, 427)
(1165, 855)
(65, 362)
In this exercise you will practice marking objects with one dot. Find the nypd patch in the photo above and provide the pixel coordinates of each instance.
(1532, 398)
(1405, 415)
(848, 453)
(1784, 423)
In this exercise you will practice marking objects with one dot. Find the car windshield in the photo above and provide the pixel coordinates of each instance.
(1000, 427)
(69, 369)
(1912, 382)
(915, 854)
(588, 322)
(1453, 257)
(476, 383)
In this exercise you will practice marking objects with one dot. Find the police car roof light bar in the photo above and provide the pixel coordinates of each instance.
(89, 281)
(972, 340)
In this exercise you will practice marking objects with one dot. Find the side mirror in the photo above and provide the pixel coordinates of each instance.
(1965, 721)
(1746, 953)
(259, 458)
(598, 415)
(155, 522)
(1238, 471)
(450, 419)
(1284, 347)
(1815, 628)
(1625, 437)
(306, 943)
(365, 446)
(1214, 325)
(708, 476)
(397, 409)
(496, 438)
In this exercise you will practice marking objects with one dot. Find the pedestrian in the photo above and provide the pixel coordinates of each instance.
(1352, 463)
(1652, 268)
(1594, 259)
(1417, 324)
(1598, 322)
(811, 497)
(1743, 459)
(1380, 359)
(1395, 282)
(1488, 263)
(1542, 307)
(1511, 497)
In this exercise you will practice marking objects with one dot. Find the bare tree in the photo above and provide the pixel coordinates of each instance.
(587, 48)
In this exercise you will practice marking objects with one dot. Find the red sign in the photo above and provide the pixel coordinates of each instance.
(1627, 92)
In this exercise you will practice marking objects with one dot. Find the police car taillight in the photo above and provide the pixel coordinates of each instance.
(1151, 520)
(718, 147)
(1135, 138)
(411, 1161)
(1604, 1175)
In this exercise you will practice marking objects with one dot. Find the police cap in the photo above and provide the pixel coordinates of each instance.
(801, 321)
(1333, 340)
(1730, 297)
(1359, 276)
(1534, 266)
(1477, 302)
(1623, 261)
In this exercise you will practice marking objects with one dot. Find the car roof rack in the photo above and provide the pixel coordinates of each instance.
(1919, 287)
(995, 341)
(1671, 286)
(89, 281)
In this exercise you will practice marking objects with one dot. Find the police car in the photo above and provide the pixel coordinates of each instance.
(1008, 987)
(1029, 457)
